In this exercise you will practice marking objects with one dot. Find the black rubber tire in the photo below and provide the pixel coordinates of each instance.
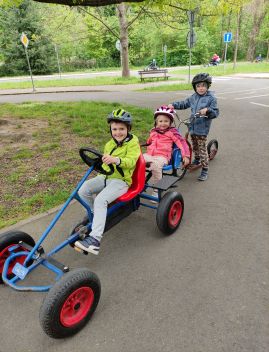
(170, 212)
(57, 298)
(212, 148)
(11, 238)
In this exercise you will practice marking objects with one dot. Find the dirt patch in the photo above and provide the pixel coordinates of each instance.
(19, 132)
(37, 158)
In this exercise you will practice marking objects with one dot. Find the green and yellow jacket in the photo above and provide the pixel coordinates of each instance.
(128, 152)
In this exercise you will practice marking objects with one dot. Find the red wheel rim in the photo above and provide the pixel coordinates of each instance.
(76, 306)
(175, 213)
(5, 254)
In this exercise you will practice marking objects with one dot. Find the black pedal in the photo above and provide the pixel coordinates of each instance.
(40, 250)
(80, 250)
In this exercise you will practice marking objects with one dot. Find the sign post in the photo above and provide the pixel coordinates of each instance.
(58, 61)
(25, 42)
(227, 38)
(164, 53)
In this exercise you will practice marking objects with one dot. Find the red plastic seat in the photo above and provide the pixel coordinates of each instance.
(138, 183)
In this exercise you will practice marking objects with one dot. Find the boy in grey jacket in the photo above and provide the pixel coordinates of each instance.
(204, 103)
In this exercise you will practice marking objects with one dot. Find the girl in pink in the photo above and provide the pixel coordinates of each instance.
(160, 143)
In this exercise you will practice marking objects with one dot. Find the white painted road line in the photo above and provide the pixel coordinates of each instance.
(252, 102)
(242, 91)
(253, 96)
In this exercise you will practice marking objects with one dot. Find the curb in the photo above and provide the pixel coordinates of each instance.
(54, 91)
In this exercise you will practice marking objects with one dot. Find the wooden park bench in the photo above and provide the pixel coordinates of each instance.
(159, 73)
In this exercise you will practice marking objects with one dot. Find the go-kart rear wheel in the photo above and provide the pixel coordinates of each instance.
(70, 303)
(212, 148)
(170, 212)
(8, 240)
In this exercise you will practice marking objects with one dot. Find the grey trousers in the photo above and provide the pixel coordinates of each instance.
(105, 194)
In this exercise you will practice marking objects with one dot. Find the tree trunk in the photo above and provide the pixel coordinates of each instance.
(121, 11)
(238, 26)
(259, 13)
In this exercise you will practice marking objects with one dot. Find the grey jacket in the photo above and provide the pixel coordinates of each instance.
(201, 125)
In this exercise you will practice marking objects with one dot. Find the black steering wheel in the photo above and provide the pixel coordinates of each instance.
(94, 161)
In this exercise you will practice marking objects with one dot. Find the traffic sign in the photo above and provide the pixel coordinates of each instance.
(118, 45)
(191, 39)
(227, 37)
(24, 40)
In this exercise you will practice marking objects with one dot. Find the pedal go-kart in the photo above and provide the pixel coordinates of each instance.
(176, 166)
(74, 296)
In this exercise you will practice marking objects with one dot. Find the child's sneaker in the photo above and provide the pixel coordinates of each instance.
(89, 244)
(204, 175)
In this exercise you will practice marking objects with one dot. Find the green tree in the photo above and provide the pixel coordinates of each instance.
(14, 21)
(74, 2)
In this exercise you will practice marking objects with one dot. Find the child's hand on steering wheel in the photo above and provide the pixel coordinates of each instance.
(109, 159)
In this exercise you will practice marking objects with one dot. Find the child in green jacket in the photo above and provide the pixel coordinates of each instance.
(122, 151)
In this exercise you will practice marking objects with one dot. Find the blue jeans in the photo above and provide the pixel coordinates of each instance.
(106, 191)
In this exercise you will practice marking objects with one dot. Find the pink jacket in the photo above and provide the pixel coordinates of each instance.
(161, 143)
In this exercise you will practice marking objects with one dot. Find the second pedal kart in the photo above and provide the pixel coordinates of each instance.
(74, 294)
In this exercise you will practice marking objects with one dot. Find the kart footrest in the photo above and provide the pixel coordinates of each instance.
(58, 265)
(39, 250)
(26, 246)
(165, 183)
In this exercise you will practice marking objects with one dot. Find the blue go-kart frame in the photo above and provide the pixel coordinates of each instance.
(74, 295)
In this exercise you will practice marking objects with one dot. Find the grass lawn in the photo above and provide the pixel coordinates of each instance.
(168, 87)
(241, 67)
(69, 82)
(39, 145)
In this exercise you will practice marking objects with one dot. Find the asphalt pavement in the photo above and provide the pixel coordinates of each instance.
(203, 289)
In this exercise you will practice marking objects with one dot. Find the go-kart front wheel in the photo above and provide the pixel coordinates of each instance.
(8, 240)
(70, 303)
(212, 148)
(170, 212)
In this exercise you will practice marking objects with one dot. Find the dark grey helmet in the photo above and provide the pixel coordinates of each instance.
(201, 77)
